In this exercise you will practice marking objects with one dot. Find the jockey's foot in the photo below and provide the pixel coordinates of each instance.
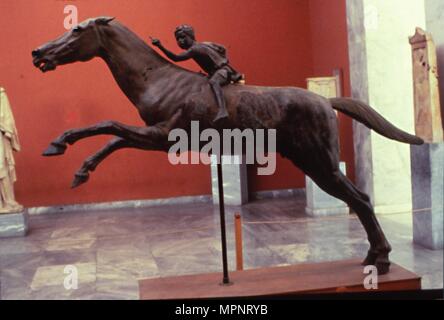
(222, 114)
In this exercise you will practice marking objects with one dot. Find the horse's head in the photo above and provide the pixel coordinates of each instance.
(81, 43)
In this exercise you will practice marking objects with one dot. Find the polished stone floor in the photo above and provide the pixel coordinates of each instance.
(112, 249)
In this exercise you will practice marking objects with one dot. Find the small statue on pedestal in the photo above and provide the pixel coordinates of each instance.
(9, 142)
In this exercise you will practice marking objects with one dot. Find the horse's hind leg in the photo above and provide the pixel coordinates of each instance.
(91, 163)
(337, 185)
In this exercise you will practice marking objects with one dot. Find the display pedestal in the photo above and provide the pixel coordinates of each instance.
(13, 224)
(326, 277)
(427, 190)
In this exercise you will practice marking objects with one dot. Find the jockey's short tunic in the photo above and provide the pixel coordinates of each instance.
(211, 57)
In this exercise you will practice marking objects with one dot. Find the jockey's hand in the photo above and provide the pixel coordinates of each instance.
(155, 42)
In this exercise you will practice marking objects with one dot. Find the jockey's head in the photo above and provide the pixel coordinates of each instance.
(185, 36)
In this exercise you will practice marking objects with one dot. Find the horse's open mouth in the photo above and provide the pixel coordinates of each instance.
(44, 64)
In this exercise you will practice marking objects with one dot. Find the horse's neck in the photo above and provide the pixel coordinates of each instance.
(130, 60)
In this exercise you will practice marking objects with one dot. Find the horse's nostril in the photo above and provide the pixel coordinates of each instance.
(35, 53)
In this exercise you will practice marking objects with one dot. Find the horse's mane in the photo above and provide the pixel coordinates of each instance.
(143, 46)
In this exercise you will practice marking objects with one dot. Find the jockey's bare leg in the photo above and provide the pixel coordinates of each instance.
(216, 82)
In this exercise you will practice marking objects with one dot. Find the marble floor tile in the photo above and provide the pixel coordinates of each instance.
(55, 275)
(21, 261)
(68, 257)
(85, 291)
(127, 289)
(73, 233)
(123, 241)
(174, 244)
(69, 244)
(125, 264)
(189, 264)
(21, 245)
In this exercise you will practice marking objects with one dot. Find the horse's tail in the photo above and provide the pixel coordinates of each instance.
(371, 119)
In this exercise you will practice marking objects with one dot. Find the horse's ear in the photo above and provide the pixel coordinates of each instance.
(104, 20)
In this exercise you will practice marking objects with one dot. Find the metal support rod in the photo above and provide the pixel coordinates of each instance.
(226, 279)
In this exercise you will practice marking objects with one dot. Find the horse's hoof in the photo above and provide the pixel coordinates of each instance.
(383, 267)
(54, 149)
(79, 179)
(370, 259)
(379, 260)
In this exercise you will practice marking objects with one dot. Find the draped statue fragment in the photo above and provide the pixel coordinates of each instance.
(9, 142)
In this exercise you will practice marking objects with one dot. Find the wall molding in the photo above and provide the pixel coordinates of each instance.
(137, 204)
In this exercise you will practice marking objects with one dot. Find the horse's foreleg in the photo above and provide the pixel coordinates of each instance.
(141, 135)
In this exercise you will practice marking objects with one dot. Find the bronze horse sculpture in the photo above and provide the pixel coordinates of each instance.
(167, 97)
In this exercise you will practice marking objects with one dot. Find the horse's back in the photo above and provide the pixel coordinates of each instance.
(305, 122)
(276, 106)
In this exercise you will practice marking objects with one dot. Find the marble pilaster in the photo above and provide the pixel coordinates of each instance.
(381, 74)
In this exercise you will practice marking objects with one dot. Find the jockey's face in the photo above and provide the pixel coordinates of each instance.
(184, 41)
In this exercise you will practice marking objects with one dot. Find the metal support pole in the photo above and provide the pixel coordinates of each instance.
(226, 279)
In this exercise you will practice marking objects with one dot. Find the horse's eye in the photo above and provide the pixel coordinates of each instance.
(76, 29)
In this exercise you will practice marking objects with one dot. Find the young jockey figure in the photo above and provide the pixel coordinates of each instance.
(211, 57)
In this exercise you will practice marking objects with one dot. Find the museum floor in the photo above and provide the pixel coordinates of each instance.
(112, 249)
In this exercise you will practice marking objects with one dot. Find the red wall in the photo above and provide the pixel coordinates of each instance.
(268, 40)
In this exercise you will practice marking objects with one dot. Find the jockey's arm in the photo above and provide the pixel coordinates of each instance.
(176, 57)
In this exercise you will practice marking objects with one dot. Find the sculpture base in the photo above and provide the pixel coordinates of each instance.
(427, 194)
(13, 224)
(326, 277)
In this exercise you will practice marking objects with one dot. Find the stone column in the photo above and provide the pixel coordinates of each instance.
(427, 160)
(380, 70)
